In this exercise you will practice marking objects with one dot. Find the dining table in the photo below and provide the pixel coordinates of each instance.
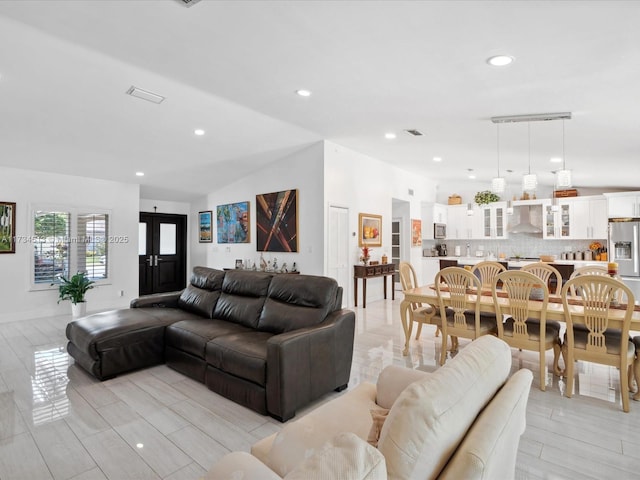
(555, 311)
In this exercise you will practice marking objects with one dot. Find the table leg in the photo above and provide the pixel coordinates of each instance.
(404, 311)
(364, 293)
(393, 288)
(355, 291)
(384, 281)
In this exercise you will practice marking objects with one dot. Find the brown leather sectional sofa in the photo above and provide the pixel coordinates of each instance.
(271, 342)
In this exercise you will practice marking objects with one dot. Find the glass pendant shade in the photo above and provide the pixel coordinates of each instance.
(498, 184)
(529, 182)
(563, 178)
(509, 208)
(469, 209)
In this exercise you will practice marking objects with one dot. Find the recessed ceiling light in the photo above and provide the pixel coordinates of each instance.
(303, 93)
(140, 445)
(139, 174)
(199, 132)
(437, 159)
(500, 60)
(390, 136)
(555, 160)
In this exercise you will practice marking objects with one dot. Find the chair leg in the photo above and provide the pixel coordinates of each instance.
(556, 357)
(624, 388)
(443, 350)
(543, 371)
(636, 373)
(419, 331)
(568, 369)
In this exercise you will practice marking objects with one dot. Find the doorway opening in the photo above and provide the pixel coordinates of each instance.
(162, 252)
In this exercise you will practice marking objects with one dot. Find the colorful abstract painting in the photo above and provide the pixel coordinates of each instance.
(277, 221)
(233, 222)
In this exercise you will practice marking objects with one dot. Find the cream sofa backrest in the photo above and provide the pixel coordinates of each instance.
(431, 417)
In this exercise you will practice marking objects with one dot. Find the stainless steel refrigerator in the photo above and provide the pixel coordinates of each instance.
(624, 248)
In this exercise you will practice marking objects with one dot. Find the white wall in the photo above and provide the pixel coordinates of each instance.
(366, 185)
(303, 171)
(27, 188)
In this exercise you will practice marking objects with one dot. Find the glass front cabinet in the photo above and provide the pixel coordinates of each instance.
(557, 221)
(494, 220)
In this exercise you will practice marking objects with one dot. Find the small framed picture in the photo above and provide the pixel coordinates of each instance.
(370, 230)
(7, 227)
(416, 232)
(204, 224)
(238, 263)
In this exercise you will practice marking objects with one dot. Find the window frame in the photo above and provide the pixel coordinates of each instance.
(74, 212)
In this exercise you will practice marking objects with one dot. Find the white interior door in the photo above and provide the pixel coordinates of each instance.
(338, 249)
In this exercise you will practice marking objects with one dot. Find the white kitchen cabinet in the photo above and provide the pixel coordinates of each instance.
(430, 266)
(589, 218)
(432, 213)
(459, 224)
(557, 224)
(493, 221)
(623, 205)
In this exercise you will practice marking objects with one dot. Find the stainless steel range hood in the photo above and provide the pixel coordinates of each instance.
(525, 225)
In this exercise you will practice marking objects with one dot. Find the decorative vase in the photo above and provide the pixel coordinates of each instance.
(365, 261)
(78, 309)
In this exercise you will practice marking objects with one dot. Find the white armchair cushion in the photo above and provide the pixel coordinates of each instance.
(345, 457)
(392, 381)
(431, 416)
(301, 439)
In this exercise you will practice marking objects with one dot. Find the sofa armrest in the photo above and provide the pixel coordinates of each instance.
(304, 364)
(168, 300)
(240, 465)
(392, 381)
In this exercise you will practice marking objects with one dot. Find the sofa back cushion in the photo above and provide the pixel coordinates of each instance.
(297, 301)
(242, 297)
(431, 417)
(203, 291)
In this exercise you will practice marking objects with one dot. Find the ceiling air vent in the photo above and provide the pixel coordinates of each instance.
(189, 3)
(414, 132)
(145, 95)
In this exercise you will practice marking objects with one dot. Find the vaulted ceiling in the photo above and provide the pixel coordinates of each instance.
(232, 68)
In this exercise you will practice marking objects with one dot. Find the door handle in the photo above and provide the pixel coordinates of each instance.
(150, 260)
(156, 262)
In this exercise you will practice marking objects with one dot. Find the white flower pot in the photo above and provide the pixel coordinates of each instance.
(78, 309)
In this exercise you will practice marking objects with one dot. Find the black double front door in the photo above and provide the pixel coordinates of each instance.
(162, 252)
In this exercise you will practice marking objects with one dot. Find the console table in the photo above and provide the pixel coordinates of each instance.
(372, 271)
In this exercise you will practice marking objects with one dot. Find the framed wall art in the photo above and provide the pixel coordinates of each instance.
(204, 227)
(7, 227)
(277, 221)
(416, 233)
(369, 230)
(233, 223)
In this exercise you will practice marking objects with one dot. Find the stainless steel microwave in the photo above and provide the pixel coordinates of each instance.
(439, 230)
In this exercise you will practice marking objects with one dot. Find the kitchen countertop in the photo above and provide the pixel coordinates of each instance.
(518, 263)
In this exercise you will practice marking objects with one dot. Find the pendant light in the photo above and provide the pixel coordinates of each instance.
(563, 177)
(498, 183)
(529, 181)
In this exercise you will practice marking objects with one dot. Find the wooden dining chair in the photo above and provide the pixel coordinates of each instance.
(526, 326)
(418, 312)
(546, 273)
(588, 270)
(636, 367)
(487, 272)
(604, 336)
(463, 317)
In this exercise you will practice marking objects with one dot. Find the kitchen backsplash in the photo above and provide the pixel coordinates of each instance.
(522, 245)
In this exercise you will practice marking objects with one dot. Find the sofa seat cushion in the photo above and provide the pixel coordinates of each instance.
(192, 335)
(431, 417)
(242, 354)
(108, 330)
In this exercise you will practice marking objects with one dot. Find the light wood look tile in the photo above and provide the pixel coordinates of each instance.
(56, 421)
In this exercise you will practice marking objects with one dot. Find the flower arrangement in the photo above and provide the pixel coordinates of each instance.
(366, 255)
(486, 197)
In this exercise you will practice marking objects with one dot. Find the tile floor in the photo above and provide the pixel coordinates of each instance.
(58, 422)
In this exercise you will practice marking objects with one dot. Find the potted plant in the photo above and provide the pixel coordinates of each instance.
(74, 289)
(486, 197)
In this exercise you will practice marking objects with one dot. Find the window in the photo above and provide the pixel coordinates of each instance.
(92, 245)
(66, 242)
(51, 246)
